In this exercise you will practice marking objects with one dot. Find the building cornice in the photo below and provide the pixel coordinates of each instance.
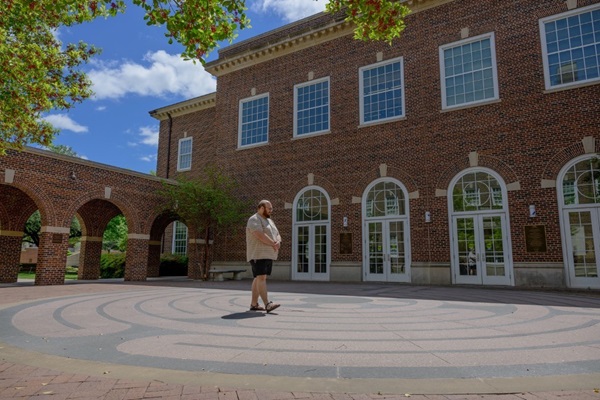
(281, 48)
(185, 107)
(269, 51)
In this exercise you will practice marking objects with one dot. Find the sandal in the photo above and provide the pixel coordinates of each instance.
(271, 306)
(256, 308)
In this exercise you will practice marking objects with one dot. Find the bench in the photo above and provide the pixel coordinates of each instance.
(217, 274)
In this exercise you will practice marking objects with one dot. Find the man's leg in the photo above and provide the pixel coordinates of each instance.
(254, 292)
(260, 284)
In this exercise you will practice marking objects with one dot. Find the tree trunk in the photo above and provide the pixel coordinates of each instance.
(206, 258)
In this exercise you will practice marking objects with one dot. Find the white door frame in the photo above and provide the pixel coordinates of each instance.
(509, 279)
(311, 274)
(479, 262)
(405, 218)
(569, 269)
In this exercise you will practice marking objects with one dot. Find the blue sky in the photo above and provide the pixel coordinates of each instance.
(137, 72)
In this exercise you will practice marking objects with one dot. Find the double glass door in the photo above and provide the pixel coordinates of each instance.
(480, 244)
(386, 251)
(311, 255)
(583, 244)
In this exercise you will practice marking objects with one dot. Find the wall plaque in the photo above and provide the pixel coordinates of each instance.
(535, 238)
(345, 243)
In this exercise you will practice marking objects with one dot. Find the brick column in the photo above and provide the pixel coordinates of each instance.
(89, 258)
(52, 256)
(136, 261)
(154, 259)
(10, 247)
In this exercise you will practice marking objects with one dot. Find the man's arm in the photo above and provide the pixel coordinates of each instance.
(264, 238)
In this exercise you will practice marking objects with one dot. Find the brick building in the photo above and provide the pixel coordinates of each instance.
(464, 153)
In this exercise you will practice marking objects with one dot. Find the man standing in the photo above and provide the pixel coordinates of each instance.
(262, 246)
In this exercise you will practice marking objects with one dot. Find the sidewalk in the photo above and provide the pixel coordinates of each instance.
(181, 339)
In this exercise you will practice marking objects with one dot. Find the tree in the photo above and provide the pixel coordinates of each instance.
(39, 75)
(115, 234)
(206, 205)
(63, 149)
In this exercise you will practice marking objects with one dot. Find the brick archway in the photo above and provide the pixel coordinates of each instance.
(62, 187)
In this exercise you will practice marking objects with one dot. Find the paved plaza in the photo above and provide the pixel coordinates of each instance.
(181, 339)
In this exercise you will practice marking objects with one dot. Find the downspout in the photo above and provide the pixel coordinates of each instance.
(169, 144)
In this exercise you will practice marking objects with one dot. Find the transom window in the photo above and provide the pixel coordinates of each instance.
(311, 105)
(382, 91)
(468, 71)
(180, 238)
(312, 206)
(476, 191)
(581, 183)
(184, 159)
(385, 199)
(254, 120)
(571, 47)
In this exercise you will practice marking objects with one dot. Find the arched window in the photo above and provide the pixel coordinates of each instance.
(477, 191)
(312, 206)
(581, 183)
(385, 199)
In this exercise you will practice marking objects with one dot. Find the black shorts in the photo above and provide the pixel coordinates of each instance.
(261, 267)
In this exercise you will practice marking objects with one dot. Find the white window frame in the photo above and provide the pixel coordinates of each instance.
(174, 243)
(542, 24)
(241, 123)
(310, 83)
(496, 97)
(180, 154)
(361, 72)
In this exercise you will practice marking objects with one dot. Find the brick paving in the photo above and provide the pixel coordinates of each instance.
(26, 375)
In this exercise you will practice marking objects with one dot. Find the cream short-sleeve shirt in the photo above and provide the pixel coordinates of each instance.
(255, 249)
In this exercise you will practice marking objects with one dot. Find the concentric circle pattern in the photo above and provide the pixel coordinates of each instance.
(381, 331)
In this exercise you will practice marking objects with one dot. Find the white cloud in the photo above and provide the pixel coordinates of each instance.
(100, 108)
(164, 74)
(290, 10)
(149, 135)
(64, 122)
(149, 158)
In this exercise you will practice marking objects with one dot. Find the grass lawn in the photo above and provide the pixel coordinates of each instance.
(31, 275)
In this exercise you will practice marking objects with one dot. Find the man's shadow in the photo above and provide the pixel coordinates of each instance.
(244, 315)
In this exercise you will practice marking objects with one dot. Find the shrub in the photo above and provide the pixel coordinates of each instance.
(112, 265)
(173, 265)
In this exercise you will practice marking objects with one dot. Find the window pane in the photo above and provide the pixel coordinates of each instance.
(255, 121)
(581, 183)
(312, 114)
(477, 191)
(312, 206)
(470, 62)
(385, 198)
(185, 154)
(180, 238)
(568, 41)
(382, 92)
